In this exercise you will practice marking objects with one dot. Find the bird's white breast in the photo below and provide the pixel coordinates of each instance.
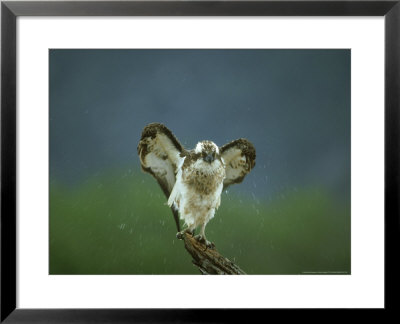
(197, 191)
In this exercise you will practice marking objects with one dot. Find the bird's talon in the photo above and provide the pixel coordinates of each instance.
(181, 234)
(199, 238)
(210, 245)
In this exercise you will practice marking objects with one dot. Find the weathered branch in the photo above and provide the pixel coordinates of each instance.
(209, 261)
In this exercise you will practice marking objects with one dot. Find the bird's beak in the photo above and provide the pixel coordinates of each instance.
(209, 158)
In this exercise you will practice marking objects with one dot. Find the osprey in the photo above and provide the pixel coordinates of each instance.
(193, 180)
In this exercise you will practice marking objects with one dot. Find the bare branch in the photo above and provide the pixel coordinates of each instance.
(209, 261)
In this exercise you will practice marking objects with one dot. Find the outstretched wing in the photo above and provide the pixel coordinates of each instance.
(239, 157)
(160, 154)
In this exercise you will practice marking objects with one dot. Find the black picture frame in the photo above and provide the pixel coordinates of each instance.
(10, 10)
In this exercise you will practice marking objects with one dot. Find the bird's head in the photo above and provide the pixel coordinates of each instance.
(209, 151)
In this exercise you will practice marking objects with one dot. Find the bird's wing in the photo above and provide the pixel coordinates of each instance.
(160, 155)
(239, 157)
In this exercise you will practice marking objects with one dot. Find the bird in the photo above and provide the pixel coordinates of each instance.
(193, 180)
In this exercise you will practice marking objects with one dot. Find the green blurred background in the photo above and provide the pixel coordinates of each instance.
(291, 215)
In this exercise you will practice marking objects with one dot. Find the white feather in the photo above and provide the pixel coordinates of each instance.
(196, 209)
(177, 189)
(234, 164)
(161, 158)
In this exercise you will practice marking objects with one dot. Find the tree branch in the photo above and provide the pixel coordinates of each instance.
(209, 261)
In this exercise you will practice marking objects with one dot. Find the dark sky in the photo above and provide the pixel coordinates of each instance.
(294, 105)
